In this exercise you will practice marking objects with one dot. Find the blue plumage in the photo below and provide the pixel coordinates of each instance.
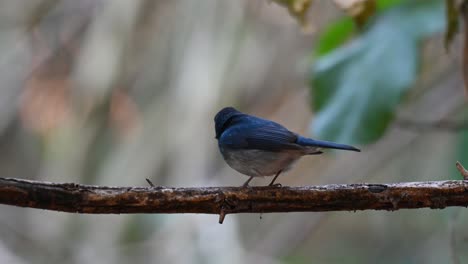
(259, 147)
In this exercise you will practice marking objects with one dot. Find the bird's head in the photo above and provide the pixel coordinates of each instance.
(223, 119)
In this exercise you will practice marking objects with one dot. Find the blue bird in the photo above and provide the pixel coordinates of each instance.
(258, 147)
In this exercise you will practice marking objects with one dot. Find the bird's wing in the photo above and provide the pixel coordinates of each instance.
(271, 137)
(264, 135)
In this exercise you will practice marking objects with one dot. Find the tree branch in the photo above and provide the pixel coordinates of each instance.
(70, 197)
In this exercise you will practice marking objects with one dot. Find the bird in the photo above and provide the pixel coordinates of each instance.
(258, 147)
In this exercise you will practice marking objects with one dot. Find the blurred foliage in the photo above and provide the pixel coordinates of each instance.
(452, 17)
(464, 12)
(385, 4)
(359, 86)
(452, 22)
(335, 35)
(461, 153)
(297, 8)
(113, 92)
(341, 30)
(359, 10)
(139, 228)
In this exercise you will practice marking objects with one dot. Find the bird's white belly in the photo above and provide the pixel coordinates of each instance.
(256, 163)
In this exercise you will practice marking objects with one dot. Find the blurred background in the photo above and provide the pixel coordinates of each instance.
(113, 92)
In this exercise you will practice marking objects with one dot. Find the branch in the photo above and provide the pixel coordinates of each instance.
(70, 197)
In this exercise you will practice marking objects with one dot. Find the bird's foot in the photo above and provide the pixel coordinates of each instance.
(274, 179)
(246, 184)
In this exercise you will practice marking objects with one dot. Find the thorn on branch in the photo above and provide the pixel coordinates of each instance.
(226, 206)
(150, 182)
(462, 170)
(222, 214)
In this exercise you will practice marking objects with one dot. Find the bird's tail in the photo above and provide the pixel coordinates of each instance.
(324, 144)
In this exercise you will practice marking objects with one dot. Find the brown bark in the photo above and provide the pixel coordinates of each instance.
(70, 197)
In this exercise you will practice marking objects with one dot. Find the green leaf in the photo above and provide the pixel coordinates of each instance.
(356, 88)
(341, 30)
(334, 35)
(360, 11)
(386, 4)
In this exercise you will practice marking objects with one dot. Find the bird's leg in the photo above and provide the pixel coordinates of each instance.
(246, 183)
(274, 179)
